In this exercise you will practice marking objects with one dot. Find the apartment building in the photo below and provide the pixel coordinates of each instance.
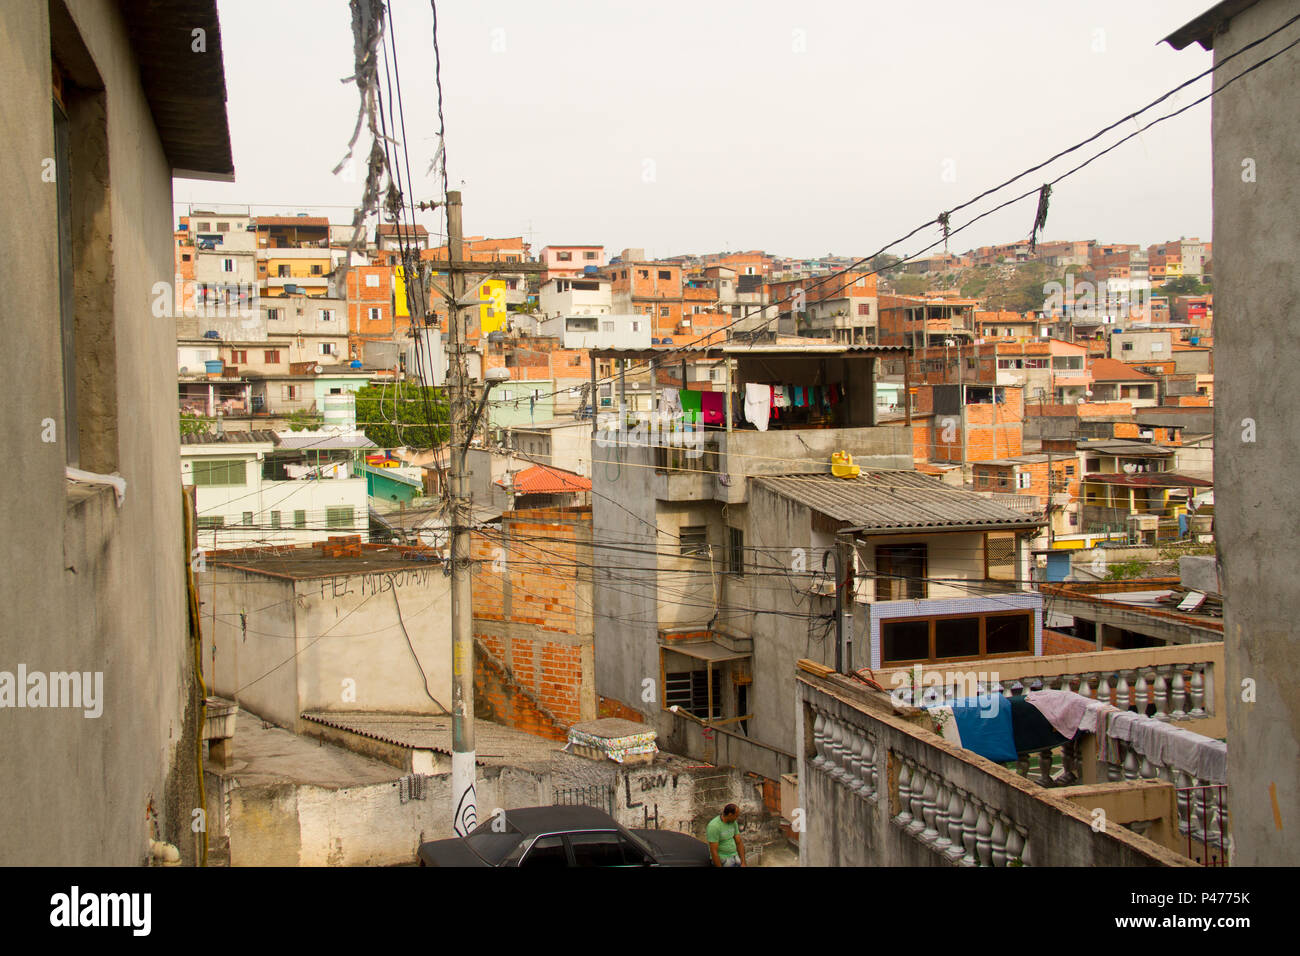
(842, 308)
(570, 261)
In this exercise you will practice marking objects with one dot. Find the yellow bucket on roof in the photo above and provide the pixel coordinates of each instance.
(842, 465)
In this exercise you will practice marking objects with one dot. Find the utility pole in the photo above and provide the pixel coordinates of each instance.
(463, 793)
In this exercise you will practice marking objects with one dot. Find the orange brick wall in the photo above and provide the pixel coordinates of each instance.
(534, 682)
(1057, 643)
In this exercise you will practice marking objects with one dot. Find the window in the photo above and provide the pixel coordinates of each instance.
(609, 326)
(223, 227)
(665, 274)
(329, 348)
(689, 690)
(623, 274)
(203, 227)
(300, 519)
(327, 315)
(643, 273)
(275, 519)
(1024, 479)
(210, 523)
(227, 265)
(1157, 347)
(547, 851)
(663, 311)
(949, 638)
(282, 271)
(1126, 346)
(274, 315)
(375, 315)
(864, 308)
(223, 473)
(289, 392)
(694, 539)
(372, 281)
(339, 517)
(248, 519)
(1069, 469)
(315, 270)
(636, 326)
(900, 572)
(736, 552)
(564, 257)
(185, 257)
(589, 255)
(271, 356)
(604, 849)
(238, 356)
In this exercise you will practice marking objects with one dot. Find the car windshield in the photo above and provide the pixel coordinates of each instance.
(492, 847)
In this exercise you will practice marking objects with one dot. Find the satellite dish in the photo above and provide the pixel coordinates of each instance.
(318, 369)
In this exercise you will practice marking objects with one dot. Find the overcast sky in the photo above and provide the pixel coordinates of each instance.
(798, 128)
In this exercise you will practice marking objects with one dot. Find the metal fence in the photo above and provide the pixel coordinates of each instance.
(597, 795)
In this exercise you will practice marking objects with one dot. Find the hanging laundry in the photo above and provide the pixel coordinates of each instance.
(981, 725)
(714, 406)
(800, 397)
(1064, 709)
(775, 406)
(758, 404)
(691, 406)
(1031, 730)
(670, 402)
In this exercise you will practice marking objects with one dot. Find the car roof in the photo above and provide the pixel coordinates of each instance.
(530, 820)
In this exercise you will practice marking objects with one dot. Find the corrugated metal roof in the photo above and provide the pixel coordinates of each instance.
(325, 442)
(1156, 479)
(879, 501)
(233, 438)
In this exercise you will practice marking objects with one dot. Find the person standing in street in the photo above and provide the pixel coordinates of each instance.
(725, 844)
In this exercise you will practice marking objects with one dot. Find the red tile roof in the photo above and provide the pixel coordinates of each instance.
(544, 480)
(392, 229)
(1113, 370)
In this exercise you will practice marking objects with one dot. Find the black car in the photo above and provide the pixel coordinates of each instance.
(563, 836)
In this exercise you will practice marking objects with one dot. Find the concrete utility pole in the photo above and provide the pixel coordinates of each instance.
(463, 795)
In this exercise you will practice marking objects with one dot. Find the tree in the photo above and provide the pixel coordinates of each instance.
(884, 263)
(305, 420)
(1184, 285)
(194, 425)
(403, 414)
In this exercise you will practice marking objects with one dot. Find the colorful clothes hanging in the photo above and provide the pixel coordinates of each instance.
(714, 406)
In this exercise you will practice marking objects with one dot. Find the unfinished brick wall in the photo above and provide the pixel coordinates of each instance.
(533, 620)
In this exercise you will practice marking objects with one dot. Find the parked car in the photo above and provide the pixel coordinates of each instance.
(563, 836)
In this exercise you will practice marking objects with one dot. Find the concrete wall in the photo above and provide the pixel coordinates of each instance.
(92, 586)
(1256, 362)
(336, 643)
(844, 828)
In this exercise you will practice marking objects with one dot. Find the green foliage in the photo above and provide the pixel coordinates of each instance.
(408, 408)
(194, 425)
(304, 420)
(1126, 569)
(884, 262)
(1183, 285)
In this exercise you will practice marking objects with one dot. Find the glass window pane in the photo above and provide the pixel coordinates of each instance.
(599, 849)
(1007, 634)
(957, 637)
(548, 851)
(905, 640)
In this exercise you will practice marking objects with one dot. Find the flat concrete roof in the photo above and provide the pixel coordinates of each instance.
(304, 564)
(493, 743)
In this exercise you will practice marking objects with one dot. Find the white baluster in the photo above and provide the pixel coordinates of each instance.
(929, 807)
(867, 763)
(835, 759)
(1122, 691)
(1198, 692)
(1026, 854)
(969, 837)
(1085, 685)
(1146, 770)
(956, 813)
(941, 801)
(1179, 695)
(1162, 694)
(1103, 687)
(819, 741)
(1140, 692)
(983, 836)
(920, 781)
(999, 840)
(904, 792)
(1130, 763)
(1015, 844)
(853, 757)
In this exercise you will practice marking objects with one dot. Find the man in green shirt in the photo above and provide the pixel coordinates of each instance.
(725, 844)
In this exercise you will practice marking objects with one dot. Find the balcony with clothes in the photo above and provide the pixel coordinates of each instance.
(993, 780)
(768, 410)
